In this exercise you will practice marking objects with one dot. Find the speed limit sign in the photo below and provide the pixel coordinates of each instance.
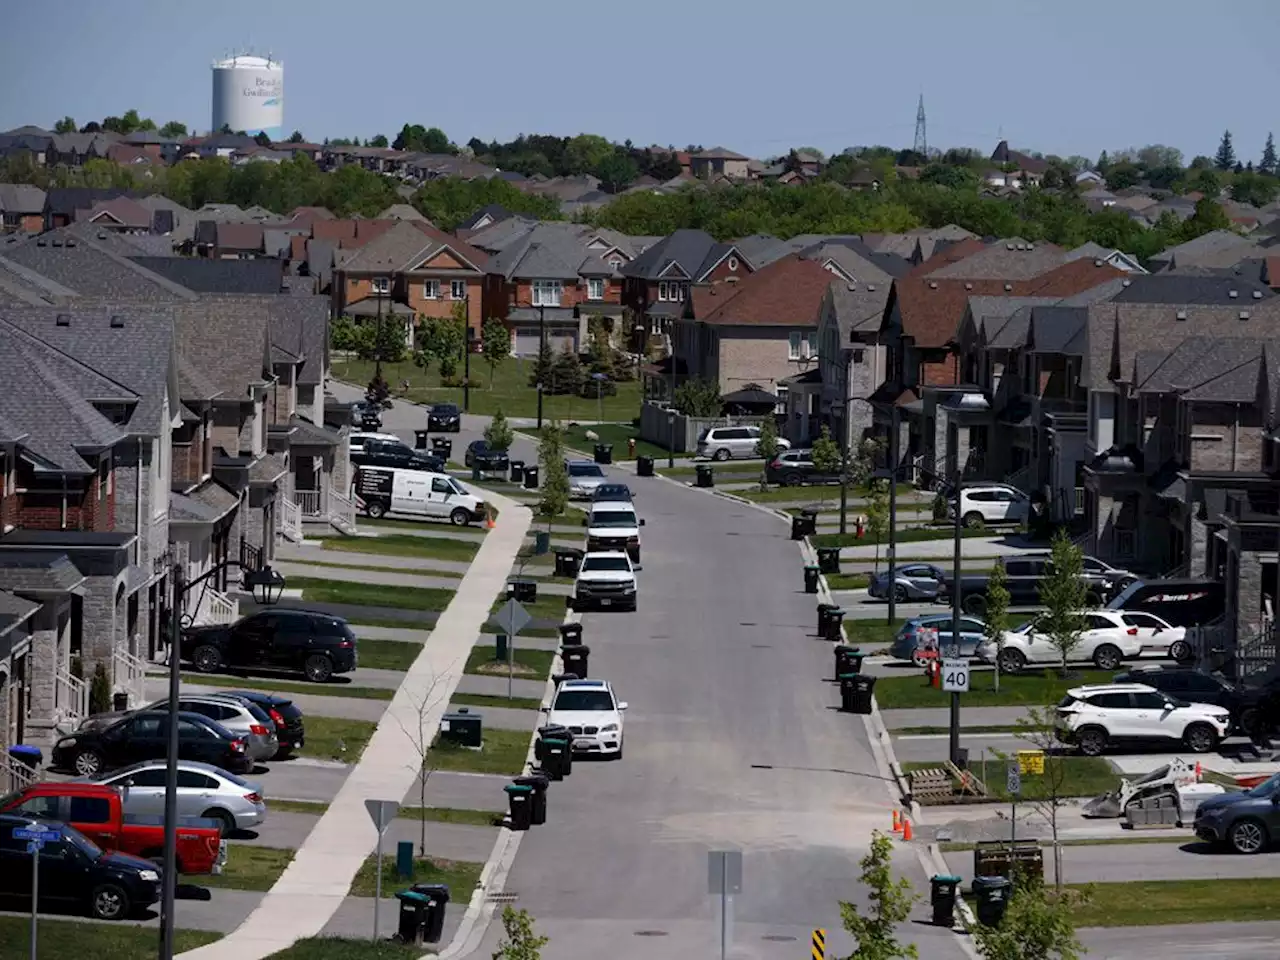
(955, 676)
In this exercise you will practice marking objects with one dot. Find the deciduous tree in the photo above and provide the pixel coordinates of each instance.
(495, 345)
(877, 510)
(521, 942)
(1064, 594)
(65, 125)
(1038, 924)
(875, 932)
(554, 499)
(498, 434)
(996, 618)
(696, 397)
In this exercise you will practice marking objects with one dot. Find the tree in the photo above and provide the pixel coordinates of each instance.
(498, 434)
(567, 375)
(93, 126)
(585, 152)
(604, 356)
(378, 141)
(173, 130)
(99, 690)
(878, 514)
(1225, 158)
(1268, 164)
(423, 735)
(996, 619)
(1159, 155)
(554, 498)
(261, 139)
(1255, 188)
(697, 398)
(616, 171)
(296, 137)
(767, 446)
(827, 457)
(543, 364)
(1047, 792)
(65, 125)
(1038, 925)
(495, 345)
(875, 933)
(1103, 162)
(521, 943)
(1065, 596)
(443, 339)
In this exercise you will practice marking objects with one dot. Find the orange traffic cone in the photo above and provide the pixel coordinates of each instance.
(906, 829)
(897, 821)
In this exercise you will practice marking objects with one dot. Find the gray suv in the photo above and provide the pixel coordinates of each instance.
(723, 443)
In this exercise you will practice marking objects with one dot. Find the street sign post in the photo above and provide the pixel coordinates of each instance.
(36, 835)
(955, 676)
(724, 879)
(381, 812)
(512, 618)
(1013, 786)
(1013, 778)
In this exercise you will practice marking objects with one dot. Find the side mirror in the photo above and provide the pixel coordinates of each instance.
(623, 705)
(642, 521)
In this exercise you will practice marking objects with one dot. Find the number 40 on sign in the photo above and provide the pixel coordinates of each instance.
(955, 676)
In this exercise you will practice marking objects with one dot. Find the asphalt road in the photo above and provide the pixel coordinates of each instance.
(1202, 941)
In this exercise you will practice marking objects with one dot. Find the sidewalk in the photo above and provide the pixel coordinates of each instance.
(970, 546)
(314, 887)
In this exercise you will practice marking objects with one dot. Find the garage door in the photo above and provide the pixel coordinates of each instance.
(526, 341)
(560, 337)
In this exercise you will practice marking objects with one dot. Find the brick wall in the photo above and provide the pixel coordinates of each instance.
(750, 355)
(1226, 437)
(225, 428)
(88, 507)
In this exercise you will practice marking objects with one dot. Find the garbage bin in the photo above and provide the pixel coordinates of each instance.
(553, 751)
(541, 541)
(705, 475)
(520, 806)
(522, 591)
(859, 693)
(559, 678)
(517, 471)
(603, 453)
(420, 439)
(829, 559)
(27, 755)
(942, 895)
(810, 578)
(531, 478)
(570, 634)
(824, 610)
(810, 517)
(835, 619)
(463, 727)
(848, 659)
(119, 702)
(799, 527)
(575, 657)
(414, 907)
(538, 782)
(992, 896)
(439, 896)
(442, 447)
(568, 560)
(644, 466)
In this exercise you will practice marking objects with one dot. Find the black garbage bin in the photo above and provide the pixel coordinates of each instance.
(824, 610)
(538, 782)
(576, 657)
(520, 805)
(559, 678)
(810, 578)
(810, 517)
(442, 447)
(862, 689)
(942, 895)
(992, 896)
(517, 471)
(556, 759)
(568, 560)
(644, 466)
(848, 659)
(835, 618)
(603, 453)
(420, 439)
(119, 702)
(438, 893)
(705, 475)
(531, 478)
(27, 755)
(829, 559)
(523, 591)
(799, 527)
(570, 634)
(848, 691)
(414, 910)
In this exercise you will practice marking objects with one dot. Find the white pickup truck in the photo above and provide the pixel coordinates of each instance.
(613, 525)
(606, 580)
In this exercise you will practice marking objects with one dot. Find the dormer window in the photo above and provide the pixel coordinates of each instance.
(381, 285)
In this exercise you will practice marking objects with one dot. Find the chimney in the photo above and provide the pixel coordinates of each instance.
(871, 288)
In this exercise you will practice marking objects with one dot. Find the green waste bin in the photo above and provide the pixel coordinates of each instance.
(992, 896)
(942, 896)
(856, 691)
(520, 805)
(705, 475)
(414, 908)
(848, 659)
(829, 559)
(835, 623)
(824, 610)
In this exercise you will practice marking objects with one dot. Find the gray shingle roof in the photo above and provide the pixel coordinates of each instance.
(551, 251)
(401, 211)
(183, 509)
(1004, 321)
(204, 275)
(87, 267)
(22, 572)
(1013, 259)
(307, 432)
(1058, 329)
(1204, 368)
(404, 246)
(1218, 248)
(267, 468)
(14, 610)
(1195, 288)
(693, 252)
(859, 310)
(214, 496)
(21, 198)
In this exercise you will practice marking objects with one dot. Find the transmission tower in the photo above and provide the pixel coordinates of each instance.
(921, 145)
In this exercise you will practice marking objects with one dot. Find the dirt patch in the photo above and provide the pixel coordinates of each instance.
(500, 668)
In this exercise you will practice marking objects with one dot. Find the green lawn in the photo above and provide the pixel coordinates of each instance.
(248, 868)
(1123, 840)
(848, 581)
(1024, 689)
(725, 472)
(315, 807)
(917, 535)
(330, 689)
(65, 937)
(425, 599)
(615, 433)
(393, 524)
(547, 607)
(829, 492)
(861, 633)
(908, 511)
(404, 545)
(510, 392)
(388, 654)
(484, 700)
(529, 664)
(341, 948)
(469, 818)
(1143, 903)
(966, 728)
(504, 752)
(334, 738)
(459, 875)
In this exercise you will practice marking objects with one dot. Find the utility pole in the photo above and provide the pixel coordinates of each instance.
(893, 512)
(466, 355)
(844, 451)
(169, 874)
(542, 346)
(955, 617)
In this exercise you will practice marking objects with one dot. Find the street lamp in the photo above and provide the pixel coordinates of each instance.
(600, 379)
(955, 617)
(467, 341)
(542, 347)
(266, 586)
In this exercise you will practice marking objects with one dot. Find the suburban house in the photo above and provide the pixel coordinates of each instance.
(21, 208)
(1020, 168)
(229, 240)
(719, 162)
(121, 213)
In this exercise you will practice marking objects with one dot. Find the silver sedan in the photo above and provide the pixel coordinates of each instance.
(203, 791)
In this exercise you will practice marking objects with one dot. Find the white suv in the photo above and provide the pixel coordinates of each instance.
(1107, 640)
(990, 503)
(1095, 717)
(593, 715)
(721, 443)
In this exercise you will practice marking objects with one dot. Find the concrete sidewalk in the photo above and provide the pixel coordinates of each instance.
(314, 887)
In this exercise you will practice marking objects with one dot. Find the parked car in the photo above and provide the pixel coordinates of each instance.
(1094, 718)
(366, 415)
(1023, 576)
(990, 503)
(395, 453)
(487, 458)
(280, 639)
(613, 525)
(1106, 640)
(357, 439)
(593, 715)
(791, 468)
(585, 477)
(444, 418)
(612, 492)
(724, 443)
(908, 642)
(76, 872)
(1111, 580)
(1249, 706)
(1186, 602)
(145, 736)
(1245, 822)
(99, 812)
(204, 791)
(606, 580)
(291, 733)
(911, 581)
(238, 715)
(417, 493)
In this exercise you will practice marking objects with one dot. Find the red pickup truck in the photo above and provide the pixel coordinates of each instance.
(97, 811)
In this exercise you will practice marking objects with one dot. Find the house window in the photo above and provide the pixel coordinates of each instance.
(595, 289)
(546, 293)
(431, 289)
(457, 289)
(802, 345)
(615, 263)
(381, 285)
(733, 264)
(671, 291)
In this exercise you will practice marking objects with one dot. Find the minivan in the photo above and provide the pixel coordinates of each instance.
(436, 496)
(722, 443)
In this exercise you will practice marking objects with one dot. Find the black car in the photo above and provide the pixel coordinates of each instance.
(366, 415)
(1252, 708)
(287, 718)
(145, 736)
(444, 418)
(618, 492)
(1023, 576)
(791, 468)
(317, 644)
(396, 454)
(480, 454)
(75, 872)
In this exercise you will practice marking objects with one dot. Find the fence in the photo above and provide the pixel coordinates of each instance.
(658, 424)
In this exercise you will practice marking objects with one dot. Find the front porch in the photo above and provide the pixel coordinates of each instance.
(201, 528)
(319, 471)
(802, 407)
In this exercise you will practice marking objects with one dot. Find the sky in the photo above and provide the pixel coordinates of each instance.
(756, 77)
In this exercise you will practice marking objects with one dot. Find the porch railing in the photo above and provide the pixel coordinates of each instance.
(290, 519)
(207, 606)
(308, 502)
(342, 509)
(130, 675)
(1020, 478)
(70, 697)
(1079, 501)
(14, 775)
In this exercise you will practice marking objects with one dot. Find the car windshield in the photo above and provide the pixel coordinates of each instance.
(446, 409)
(457, 487)
(1025, 627)
(584, 700)
(606, 563)
(82, 843)
(613, 491)
(1267, 788)
(585, 470)
(613, 518)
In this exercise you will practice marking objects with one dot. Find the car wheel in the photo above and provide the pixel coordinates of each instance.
(207, 659)
(283, 753)
(109, 902)
(722, 454)
(792, 480)
(974, 520)
(460, 517)
(375, 510)
(1011, 661)
(226, 822)
(918, 659)
(88, 763)
(1247, 836)
(1092, 741)
(1251, 722)
(318, 668)
(1107, 657)
(975, 605)
(1180, 651)
(1200, 738)
(899, 592)
(618, 755)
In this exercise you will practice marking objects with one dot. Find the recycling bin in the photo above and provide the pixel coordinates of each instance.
(517, 471)
(824, 610)
(799, 527)
(811, 578)
(848, 659)
(520, 805)
(442, 447)
(531, 478)
(829, 559)
(704, 475)
(501, 647)
(119, 702)
(835, 624)
(27, 755)
(462, 727)
(414, 908)
(942, 896)
(644, 466)
(538, 783)
(575, 657)
(404, 859)
(523, 591)
(553, 751)
(810, 517)
(603, 453)
(570, 634)
(438, 893)
(992, 896)
(855, 693)
(568, 560)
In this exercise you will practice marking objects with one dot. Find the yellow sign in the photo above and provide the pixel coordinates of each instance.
(1031, 761)
(819, 944)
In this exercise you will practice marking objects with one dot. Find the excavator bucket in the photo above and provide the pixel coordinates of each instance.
(1106, 806)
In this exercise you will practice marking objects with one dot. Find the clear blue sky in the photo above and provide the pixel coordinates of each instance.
(1073, 77)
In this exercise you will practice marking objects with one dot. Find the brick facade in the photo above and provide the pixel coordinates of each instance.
(87, 504)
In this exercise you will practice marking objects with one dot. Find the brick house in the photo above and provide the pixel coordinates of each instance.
(21, 208)
(719, 162)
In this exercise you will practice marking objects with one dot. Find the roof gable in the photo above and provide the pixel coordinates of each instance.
(786, 293)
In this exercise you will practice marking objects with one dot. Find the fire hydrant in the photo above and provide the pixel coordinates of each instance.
(631, 448)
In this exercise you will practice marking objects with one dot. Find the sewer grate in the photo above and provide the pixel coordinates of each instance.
(503, 897)
(778, 938)
(649, 933)
(761, 646)
(745, 623)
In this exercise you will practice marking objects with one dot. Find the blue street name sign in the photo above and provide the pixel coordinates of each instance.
(39, 833)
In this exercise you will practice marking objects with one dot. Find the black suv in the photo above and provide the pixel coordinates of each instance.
(366, 415)
(444, 418)
(791, 468)
(395, 454)
(1251, 707)
(1023, 577)
(480, 454)
(317, 644)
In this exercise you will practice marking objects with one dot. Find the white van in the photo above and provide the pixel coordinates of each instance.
(613, 525)
(436, 496)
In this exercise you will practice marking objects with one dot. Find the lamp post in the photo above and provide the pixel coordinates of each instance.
(600, 379)
(266, 586)
(377, 339)
(955, 618)
(542, 347)
(466, 355)
(893, 512)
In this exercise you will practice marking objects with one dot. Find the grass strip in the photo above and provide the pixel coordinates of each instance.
(345, 690)
(528, 664)
(616, 434)
(335, 738)
(1085, 842)
(548, 606)
(391, 523)
(1145, 903)
(388, 654)
(68, 937)
(459, 876)
(1016, 690)
(796, 494)
(343, 948)
(316, 807)
(468, 818)
(917, 535)
(1080, 777)
(404, 545)
(426, 599)
(485, 700)
(862, 633)
(248, 867)
(504, 752)
(941, 731)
